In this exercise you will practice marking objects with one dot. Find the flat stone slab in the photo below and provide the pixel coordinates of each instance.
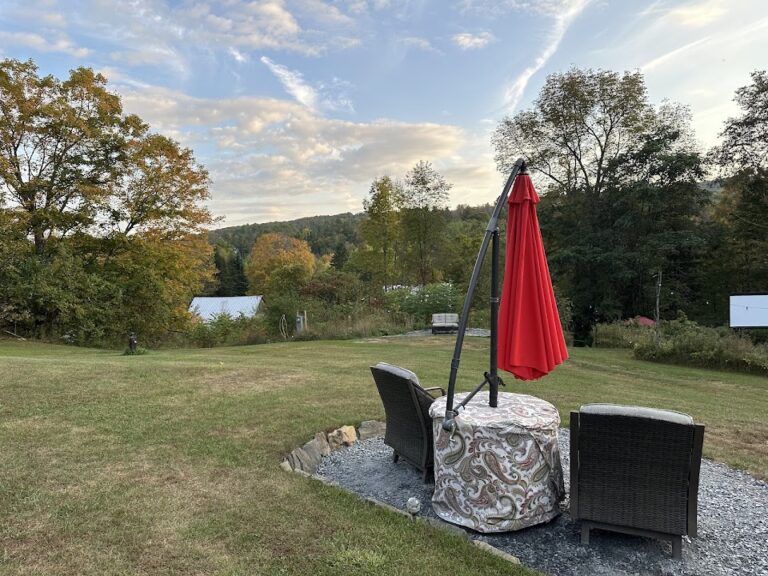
(733, 521)
(371, 429)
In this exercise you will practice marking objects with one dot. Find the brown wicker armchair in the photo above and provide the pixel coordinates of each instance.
(406, 404)
(635, 470)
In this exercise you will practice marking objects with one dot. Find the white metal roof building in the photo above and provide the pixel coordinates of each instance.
(208, 307)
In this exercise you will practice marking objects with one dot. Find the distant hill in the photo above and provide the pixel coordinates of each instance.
(323, 233)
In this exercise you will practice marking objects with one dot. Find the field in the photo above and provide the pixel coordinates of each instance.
(168, 463)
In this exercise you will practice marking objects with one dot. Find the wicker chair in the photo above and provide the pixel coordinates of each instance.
(406, 404)
(635, 470)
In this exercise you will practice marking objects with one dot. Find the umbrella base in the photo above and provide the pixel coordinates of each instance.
(499, 469)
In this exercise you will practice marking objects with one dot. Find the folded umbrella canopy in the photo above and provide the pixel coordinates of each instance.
(526, 333)
(530, 338)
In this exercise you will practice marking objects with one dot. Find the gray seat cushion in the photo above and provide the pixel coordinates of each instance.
(398, 371)
(637, 412)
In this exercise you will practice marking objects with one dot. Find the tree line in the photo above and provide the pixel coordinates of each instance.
(630, 200)
(103, 228)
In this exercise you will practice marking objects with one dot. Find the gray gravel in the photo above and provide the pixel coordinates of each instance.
(733, 522)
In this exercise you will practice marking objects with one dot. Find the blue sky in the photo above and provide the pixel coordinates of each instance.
(295, 106)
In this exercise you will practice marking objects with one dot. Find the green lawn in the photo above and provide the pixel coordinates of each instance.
(168, 463)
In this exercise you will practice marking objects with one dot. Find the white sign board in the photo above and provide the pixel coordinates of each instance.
(749, 311)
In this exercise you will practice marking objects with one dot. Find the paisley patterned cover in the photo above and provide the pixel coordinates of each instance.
(499, 470)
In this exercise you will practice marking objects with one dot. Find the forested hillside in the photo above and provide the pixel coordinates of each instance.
(323, 233)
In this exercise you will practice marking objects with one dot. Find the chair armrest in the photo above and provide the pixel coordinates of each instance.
(442, 392)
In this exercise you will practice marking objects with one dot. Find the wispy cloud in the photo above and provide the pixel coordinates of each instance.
(697, 14)
(563, 15)
(418, 43)
(330, 96)
(468, 41)
(659, 60)
(237, 55)
(293, 82)
(61, 43)
(153, 55)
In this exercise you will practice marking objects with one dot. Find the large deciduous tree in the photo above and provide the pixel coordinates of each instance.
(110, 216)
(61, 145)
(581, 121)
(621, 196)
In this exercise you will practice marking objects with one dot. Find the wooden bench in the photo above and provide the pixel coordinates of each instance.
(445, 323)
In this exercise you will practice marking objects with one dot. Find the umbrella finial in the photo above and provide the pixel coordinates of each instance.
(523, 168)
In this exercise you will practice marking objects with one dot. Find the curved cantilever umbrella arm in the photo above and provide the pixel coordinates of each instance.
(489, 231)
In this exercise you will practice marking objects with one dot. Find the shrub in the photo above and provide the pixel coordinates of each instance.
(620, 334)
(224, 330)
(139, 351)
(422, 302)
(682, 341)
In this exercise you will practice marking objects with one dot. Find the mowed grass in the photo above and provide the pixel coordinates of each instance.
(168, 463)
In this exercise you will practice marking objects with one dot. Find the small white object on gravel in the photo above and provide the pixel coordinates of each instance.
(733, 521)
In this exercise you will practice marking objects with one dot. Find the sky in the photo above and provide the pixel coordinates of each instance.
(296, 106)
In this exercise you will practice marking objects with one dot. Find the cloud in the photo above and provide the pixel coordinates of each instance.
(331, 96)
(237, 55)
(278, 159)
(660, 60)
(293, 82)
(697, 14)
(695, 52)
(62, 43)
(495, 8)
(563, 14)
(153, 55)
(467, 41)
(418, 43)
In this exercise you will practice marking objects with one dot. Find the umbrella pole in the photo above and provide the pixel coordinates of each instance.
(493, 378)
(450, 414)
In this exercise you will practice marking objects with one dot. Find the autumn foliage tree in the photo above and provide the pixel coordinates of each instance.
(274, 251)
(104, 218)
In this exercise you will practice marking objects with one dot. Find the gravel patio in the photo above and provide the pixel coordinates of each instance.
(733, 521)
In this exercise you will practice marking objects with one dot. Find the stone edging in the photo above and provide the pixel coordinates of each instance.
(305, 460)
(307, 457)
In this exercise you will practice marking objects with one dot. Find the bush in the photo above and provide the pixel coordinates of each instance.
(224, 330)
(684, 342)
(422, 302)
(139, 351)
(620, 334)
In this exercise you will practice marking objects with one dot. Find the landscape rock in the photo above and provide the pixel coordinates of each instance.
(344, 436)
(285, 465)
(322, 443)
(371, 429)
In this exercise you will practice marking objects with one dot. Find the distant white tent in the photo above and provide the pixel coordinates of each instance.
(208, 307)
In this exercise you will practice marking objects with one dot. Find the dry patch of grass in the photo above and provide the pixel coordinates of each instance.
(221, 380)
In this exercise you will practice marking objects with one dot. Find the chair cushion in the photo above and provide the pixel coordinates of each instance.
(398, 371)
(637, 412)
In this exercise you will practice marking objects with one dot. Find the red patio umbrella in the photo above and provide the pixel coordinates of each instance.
(530, 338)
(525, 334)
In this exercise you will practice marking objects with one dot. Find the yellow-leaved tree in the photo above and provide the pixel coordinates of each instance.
(272, 252)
